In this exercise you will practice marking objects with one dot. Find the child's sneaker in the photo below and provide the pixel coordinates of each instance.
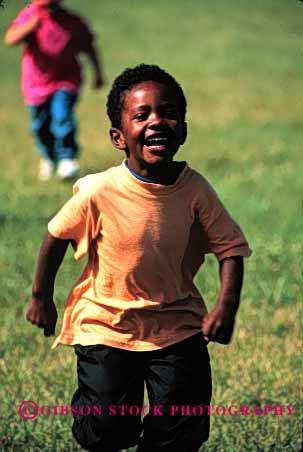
(46, 169)
(68, 169)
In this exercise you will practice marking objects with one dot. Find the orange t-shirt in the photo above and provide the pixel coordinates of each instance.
(145, 242)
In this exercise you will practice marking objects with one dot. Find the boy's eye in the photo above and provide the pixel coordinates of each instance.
(172, 114)
(169, 113)
(140, 116)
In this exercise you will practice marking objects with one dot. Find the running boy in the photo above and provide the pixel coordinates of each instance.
(53, 37)
(135, 314)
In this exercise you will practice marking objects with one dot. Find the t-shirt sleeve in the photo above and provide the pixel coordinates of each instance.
(78, 221)
(224, 236)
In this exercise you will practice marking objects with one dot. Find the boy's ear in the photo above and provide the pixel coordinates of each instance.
(117, 138)
(183, 133)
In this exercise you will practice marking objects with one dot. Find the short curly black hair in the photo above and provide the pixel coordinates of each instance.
(133, 76)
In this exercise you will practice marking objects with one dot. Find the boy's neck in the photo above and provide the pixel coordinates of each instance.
(166, 175)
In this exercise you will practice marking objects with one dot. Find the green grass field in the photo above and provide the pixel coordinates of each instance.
(240, 63)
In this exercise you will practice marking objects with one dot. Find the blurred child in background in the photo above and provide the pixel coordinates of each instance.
(53, 38)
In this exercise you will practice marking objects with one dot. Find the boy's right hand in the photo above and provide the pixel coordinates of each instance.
(43, 314)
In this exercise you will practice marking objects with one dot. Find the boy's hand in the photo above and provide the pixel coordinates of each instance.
(43, 314)
(34, 22)
(42, 310)
(17, 34)
(98, 82)
(218, 325)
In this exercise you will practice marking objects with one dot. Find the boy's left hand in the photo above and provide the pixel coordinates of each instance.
(218, 325)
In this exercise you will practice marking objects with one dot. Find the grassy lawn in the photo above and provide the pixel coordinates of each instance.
(240, 64)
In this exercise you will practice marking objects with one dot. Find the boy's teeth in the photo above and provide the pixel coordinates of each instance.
(156, 140)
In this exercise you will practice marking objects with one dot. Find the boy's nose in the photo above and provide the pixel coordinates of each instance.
(155, 119)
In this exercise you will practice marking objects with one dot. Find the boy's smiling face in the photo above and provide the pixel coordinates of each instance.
(151, 127)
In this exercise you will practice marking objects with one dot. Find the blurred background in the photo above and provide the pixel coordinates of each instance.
(241, 67)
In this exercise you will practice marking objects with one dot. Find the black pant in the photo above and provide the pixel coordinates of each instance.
(107, 404)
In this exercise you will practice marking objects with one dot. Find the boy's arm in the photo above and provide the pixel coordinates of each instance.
(95, 61)
(218, 325)
(18, 33)
(41, 310)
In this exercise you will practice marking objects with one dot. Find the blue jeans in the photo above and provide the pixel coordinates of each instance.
(54, 126)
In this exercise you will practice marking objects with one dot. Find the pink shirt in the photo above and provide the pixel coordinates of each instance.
(50, 57)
